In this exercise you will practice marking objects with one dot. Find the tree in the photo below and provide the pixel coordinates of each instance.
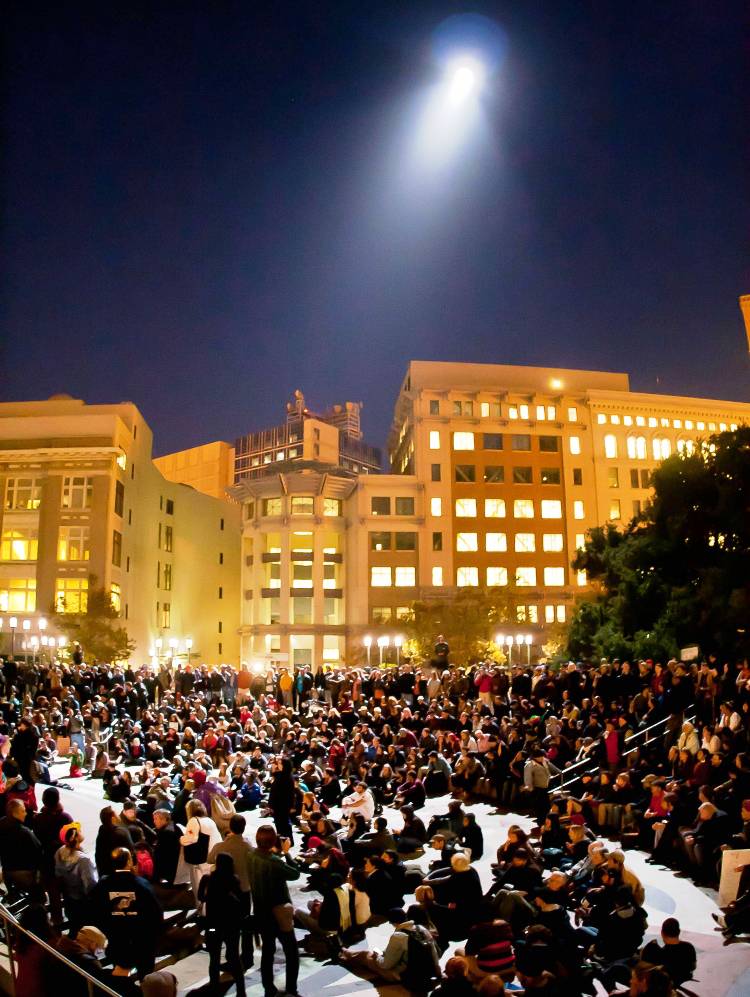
(468, 621)
(98, 630)
(678, 574)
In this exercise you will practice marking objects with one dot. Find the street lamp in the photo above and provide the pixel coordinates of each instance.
(398, 643)
(382, 642)
(173, 644)
(527, 641)
(368, 645)
(158, 643)
(509, 645)
(12, 623)
(188, 647)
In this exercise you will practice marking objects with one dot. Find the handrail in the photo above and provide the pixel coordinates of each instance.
(11, 920)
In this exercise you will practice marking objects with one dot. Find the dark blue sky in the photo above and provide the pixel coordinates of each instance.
(207, 205)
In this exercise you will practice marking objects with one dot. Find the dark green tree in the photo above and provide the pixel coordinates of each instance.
(98, 630)
(469, 620)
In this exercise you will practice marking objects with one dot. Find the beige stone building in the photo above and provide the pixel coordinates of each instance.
(207, 468)
(84, 506)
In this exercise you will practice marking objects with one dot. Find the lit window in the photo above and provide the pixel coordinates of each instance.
(18, 595)
(572, 414)
(574, 443)
(601, 418)
(525, 576)
(551, 509)
(436, 507)
(272, 507)
(652, 422)
(523, 509)
(677, 423)
(122, 461)
(712, 427)
(484, 409)
(640, 421)
(580, 541)
(688, 424)
(19, 544)
(614, 420)
(302, 505)
(512, 412)
(437, 575)
(380, 577)
(467, 576)
(614, 509)
(554, 576)
(685, 446)
(722, 427)
(700, 425)
(466, 541)
(549, 614)
(662, 448)
(302, 574)
(494, 508)
(581, 578)
(77, 493)
(627, 420)
(497, 576)
(463, 441)
(523, 411)
(541, 413)
(71, 595)
(466, 508)
(610, 446)
(115, 597)
(495, 542)
(73, 543)
(578, 510)
(560, 614)
(434, 439)
(406, 577)
(331, 507)
(23, 493)
(552, 541)
(636, 446)
(664, 423)
(525, 543)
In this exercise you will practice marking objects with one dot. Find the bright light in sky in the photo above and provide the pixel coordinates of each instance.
(466, 76)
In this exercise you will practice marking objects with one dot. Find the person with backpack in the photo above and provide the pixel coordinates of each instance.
(225, 912)
(201, 834)
(76, 875)
(410, 958)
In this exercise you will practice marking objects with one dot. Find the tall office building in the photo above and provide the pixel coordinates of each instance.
(83, 507)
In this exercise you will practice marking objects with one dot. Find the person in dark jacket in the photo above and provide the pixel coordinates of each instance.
(111, 835)
(21, 855)
(129, 914)
(48, 823)
(24, 746)
(225, 910)
(166, 848)
(282, 797)
(471, 837)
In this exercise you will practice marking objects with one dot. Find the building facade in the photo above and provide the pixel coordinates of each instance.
(84, 507)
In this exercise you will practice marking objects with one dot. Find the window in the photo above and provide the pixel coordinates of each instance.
(115, 597)
(685, 446)
(495, 542)
(406, 541)
(23, 493)
(380, 577)
(550, 475)
(645, 478)
(601, 418)
(166, 616)
(434, 406)
(554, 576)
(463, 441)
(580, 541)
(653, 422)
(523, 509)
(522, 476)
(520, 442)
(406, 577)
(552, 541)
(525, 543)
(637, 507)
(272, 507)
(302, 505)
(615, 420)
(119, 498)
(497, 576)
(525, 576)
(169, 507)
(76, 493)
(71, 595)
(581, 578)
(404, 505)
(527, 614)
(168, 537)
(302, 574)
(434, 472)
(493, 441)
(466, 508)
(19, 543)
(380, 541)
(636, 447)
(627, 420)
(116, 548)
(577, 476)
(73, 543)
(380, 505)
(574, 445)
(610, 446)
(18, 595)
(551, 509)
(437, 541)
(466, 473)
(494, 508)
(614, 509)
(331, 507)
(463, 408)
(549, 444)
(613, 477)
(513, 412)
(662, 448)
(494, 474)
(554, 614)
(466, 541)
(434, 439)
(578, 511)
(381, 614)
(221, 592)
(221, 557)
(546, 412)
(437, 575)
(467, 576)
(633, 477)
(572, 414)
(436, 507)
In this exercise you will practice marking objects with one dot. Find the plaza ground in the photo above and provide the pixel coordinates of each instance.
(723, 971)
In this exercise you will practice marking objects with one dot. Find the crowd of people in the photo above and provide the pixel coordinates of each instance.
(600, 758)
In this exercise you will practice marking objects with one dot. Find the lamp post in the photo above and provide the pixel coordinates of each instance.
(382, 642)
(527, 641)
(12, 623)
(42, 623)
(158, 643)
(368, 646)
(173, 645)
(188, 647)
(26, 626)
(398, 643)
(509, 645)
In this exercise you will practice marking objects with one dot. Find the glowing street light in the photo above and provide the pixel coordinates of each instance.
(398, 642)
(368, 645)
(382, 642)
(509, 645)
(527, 641)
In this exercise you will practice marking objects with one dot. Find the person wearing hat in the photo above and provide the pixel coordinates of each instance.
(75, 873)
(84, 950)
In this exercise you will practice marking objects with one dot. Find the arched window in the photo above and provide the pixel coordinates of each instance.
(685, 446)
(610, 445)
(637, 447)
(662, 448)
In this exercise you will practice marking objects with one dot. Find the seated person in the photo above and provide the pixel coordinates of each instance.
(677, 957)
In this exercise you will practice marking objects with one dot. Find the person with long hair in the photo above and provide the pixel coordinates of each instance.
(282, 797)
(201, 834)
(221, 894)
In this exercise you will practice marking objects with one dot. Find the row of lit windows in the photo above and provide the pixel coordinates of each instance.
(21, 543)
(493, 410)
(494, 508)
(300, 505)
(26, 493)
(468, 575)
(495, 475)
(18, 595)
(524, 613)
(494, 441)
(636, 447)
(301, 575)
(652, 422)
(525, 543)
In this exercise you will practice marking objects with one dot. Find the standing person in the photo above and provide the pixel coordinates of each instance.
(235, 845)
(281, 796)
(224, 914)
(48, 824)
(201, 834)
(270, 870)
(76, 874)
(129, 914)
(536, 776)
(111, 835)
(20, 852)
(24, 746)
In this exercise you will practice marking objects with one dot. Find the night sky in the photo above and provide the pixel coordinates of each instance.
(207, 205)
